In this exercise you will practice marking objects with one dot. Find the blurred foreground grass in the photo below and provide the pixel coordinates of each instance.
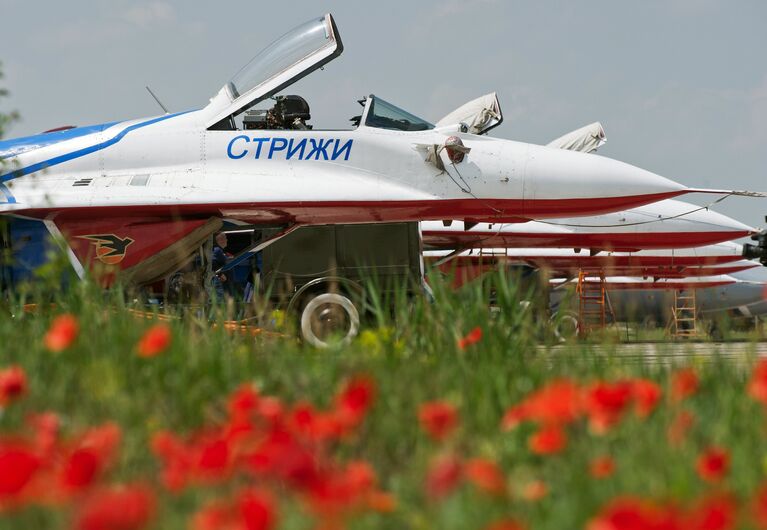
(413, 357)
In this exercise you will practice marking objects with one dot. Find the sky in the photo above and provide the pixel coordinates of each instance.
(679, 85)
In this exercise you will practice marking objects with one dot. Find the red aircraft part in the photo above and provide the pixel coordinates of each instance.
(662, 272)
(619, 242)
(339, 212)
(465, 269)
(661, 285)
(145, 248)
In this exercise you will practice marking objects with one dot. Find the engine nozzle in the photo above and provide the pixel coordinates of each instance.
(758, 251)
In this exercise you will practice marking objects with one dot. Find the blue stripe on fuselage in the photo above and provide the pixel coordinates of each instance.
(17, 146)
(16, 173)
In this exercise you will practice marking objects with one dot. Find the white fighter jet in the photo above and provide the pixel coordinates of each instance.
(141, 195)
(665, 224)
(652, 265)
(632, 299)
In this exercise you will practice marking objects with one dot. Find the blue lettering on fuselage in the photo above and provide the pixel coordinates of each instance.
(231, 144)
(279, 148)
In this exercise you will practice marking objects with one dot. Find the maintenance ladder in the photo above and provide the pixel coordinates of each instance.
(684, 314)
(593, 303)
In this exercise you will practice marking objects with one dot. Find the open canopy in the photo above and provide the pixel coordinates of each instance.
(288, 59)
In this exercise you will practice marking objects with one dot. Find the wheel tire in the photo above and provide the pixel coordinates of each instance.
(561, 323)
(326, 314)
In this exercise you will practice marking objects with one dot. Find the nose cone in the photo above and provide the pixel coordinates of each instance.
(693, 218)
(587, 184)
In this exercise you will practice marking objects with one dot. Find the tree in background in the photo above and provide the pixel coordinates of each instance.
(5, 119)
(5, 254)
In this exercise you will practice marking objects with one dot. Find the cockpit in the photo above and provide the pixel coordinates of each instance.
(381, 114)
(256, 98)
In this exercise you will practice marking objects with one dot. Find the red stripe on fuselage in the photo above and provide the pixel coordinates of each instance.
(666, 285)
(335, 212)
(601, 262)
(619, 242)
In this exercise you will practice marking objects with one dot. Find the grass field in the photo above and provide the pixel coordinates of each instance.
(146, 433)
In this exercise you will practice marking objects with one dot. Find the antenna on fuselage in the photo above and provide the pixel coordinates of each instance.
(157, 99)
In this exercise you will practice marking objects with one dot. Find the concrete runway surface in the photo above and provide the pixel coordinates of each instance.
(670, 352)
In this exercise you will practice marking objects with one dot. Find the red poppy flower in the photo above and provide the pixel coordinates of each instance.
(303, 418)
(514, 416)
(213, 458)
(213, 516)
(486, 476)
(45, 427)
(718, 512)
(602, 467)
(684, 384)
(176, 458)
(438, 418)
(156, 340)
(557, 403)
(354, 400)
(647, 395)
(270, 409)
(116, 508)
(13, 384)
(257, 510)
(282, 456)
(757, 386)
(535, 490)
(605, 404)
(18, 465)
(341, 491)
(443, 476)
(548, 440)
(80, 469)
(90, 455)
(635, 514)
(473, 337)
(713, 464)
(680, 425)
(243, 401)
(62, 333)
(251, 509)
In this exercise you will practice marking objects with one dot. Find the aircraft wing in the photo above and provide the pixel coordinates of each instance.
(144, 249)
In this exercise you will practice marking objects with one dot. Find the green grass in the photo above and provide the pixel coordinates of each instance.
(413, 358)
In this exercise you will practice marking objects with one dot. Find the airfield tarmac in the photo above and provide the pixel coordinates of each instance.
(673, 352)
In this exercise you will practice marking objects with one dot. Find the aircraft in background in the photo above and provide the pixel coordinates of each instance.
(758, 279)
(643, 300)
(722, 258)
(142, 195)
(665, 224)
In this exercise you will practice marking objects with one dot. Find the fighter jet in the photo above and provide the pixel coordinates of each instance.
(665, 224)
(651, 265)
(141, 195)
(634, 299)
(752, 299)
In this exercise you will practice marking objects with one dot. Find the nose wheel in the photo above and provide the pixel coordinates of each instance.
(565, 326)
(329, 319)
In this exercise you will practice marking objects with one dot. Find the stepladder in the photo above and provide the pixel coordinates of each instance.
(593, 302)
(684, 314)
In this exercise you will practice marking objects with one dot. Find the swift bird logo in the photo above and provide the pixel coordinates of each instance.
(110, 249)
